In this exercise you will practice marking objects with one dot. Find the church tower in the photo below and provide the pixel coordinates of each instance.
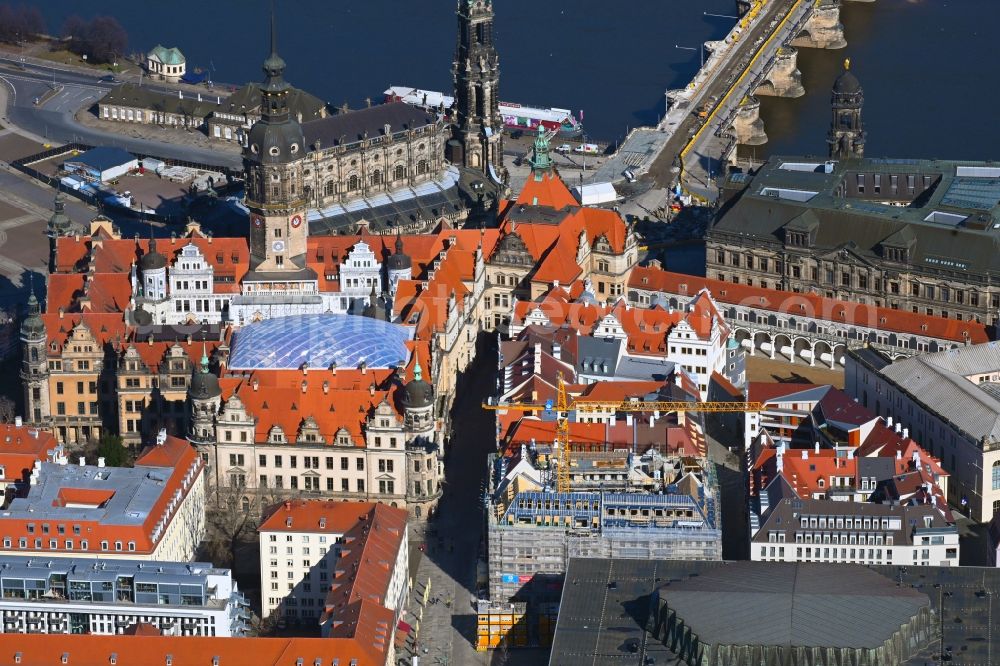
(59, 226)
(476, 72)
(847, 133)
(34, 365)
(272, 160)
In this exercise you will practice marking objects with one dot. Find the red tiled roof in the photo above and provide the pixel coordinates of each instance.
(141, 650)
(20, 447)
(546, 189)
(177, 455)
(776, 391)
(810, 305)
(105, 327)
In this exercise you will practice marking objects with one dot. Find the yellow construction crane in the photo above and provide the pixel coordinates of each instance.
(563, 406)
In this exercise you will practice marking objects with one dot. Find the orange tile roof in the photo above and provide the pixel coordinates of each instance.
(175, 454)
(20, 447)
(546, 189)
(810, 305)
(230, 257)
(105, 327)
(646, 328)
(92, 650)
(153, 354)
(345, 401)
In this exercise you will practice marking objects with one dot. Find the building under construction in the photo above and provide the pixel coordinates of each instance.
(623, 505)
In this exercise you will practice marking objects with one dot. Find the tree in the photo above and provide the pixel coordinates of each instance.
(7, 410)
(111, 449)
(20, 24)
(106, 39)
(102, 39)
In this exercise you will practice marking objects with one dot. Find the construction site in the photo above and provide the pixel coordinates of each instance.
(661, 507)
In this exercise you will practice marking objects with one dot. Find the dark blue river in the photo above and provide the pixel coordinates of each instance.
(928, 66)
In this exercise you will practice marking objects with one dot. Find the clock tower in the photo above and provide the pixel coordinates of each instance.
(272, 161)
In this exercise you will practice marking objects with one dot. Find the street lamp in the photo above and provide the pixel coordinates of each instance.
(691, 48)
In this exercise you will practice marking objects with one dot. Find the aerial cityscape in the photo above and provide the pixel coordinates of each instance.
(497, 333)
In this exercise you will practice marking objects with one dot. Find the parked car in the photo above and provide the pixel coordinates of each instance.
(110, 78)
(565, 148)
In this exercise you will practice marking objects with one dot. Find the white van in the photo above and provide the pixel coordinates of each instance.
(629, 175)
(565, 148)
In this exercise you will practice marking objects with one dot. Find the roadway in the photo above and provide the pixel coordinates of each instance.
(54, 119)
(663, 169)
(713, 141)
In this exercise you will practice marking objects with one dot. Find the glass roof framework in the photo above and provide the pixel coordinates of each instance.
(319, 341)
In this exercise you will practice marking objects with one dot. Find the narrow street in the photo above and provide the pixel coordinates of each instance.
(452, 540)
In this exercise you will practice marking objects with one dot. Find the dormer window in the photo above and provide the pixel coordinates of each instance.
(796, 238)
(898, 254)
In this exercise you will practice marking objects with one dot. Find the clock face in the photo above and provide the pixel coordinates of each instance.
(257, 220)
(278, 246)
(296, 222)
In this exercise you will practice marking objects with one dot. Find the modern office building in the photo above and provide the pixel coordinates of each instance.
(67, 595)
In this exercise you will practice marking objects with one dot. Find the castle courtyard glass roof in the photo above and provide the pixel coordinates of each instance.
(319, 341)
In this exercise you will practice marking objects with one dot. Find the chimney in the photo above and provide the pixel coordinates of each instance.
(805, 454)
(326, 387)
(83, 461)
(100, 462)
(364, 367)
(305, 385)
(255, 385)
(888, 421)
(18, 422)
(817, 448)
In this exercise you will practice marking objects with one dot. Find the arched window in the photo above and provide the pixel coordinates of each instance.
(996, 475)
(328, 188)
(400, 172)
(34, 354)
(421, 167)
(352, 183)
(377, 177)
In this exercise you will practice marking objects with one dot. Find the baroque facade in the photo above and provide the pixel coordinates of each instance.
(907, 235)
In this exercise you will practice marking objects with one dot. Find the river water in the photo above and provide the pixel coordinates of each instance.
(930, 76)
(928, 66)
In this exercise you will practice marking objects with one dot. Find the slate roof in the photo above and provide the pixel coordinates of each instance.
(938, 380)
(605, 611)
(811, 605)
(343, 128)
(968, 190)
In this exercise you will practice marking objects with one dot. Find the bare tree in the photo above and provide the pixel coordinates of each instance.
(7, 410)
(102, 39)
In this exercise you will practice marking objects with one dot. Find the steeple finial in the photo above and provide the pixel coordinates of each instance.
(399, 242)
(274, 32)
(204, 358)
(847, 63)
(418, 374)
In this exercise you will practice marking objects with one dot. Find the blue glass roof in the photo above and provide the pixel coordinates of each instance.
(319, 340)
